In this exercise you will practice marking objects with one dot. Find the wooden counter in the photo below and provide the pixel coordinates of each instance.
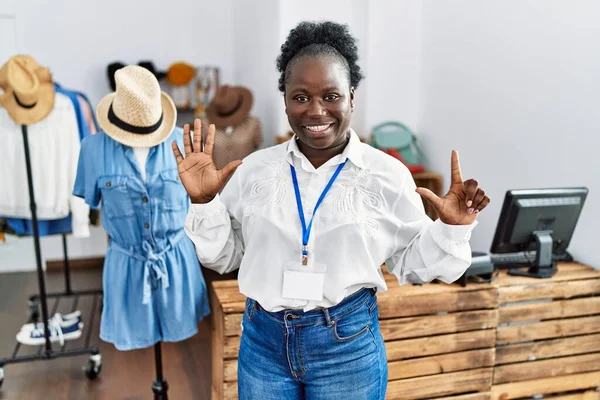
(548, 335)
(511, 339)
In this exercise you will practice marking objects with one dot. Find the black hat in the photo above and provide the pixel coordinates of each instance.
(149, 65)
(110, 70)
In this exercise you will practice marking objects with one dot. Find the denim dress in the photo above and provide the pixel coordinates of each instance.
(153, 286)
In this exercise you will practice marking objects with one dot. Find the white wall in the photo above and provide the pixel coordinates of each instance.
(8, 40)
(256, 46)
(353, 13)
(394, 62)
(514, 87)
(77, 40)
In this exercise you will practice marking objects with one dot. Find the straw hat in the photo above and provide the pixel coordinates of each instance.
(137, 114)
(230, 106)
(3, 81)
(28, 90)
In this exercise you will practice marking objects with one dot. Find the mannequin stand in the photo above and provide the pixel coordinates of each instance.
(46, 352)
(160, 385)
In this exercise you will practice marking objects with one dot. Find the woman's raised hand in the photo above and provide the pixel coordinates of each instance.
(197, 171)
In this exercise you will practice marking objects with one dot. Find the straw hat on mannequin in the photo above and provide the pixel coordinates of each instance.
(138, 113)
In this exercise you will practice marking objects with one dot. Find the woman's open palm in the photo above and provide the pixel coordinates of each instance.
(197, 171)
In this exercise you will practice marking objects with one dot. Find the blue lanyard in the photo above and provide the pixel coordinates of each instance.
(306, 229)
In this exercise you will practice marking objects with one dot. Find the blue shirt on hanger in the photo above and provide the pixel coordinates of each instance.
(81, 122)
(153, 285)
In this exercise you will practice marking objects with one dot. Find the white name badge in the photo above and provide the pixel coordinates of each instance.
(303, 282)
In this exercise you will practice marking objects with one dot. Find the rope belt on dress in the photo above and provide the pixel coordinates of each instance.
(155, 268)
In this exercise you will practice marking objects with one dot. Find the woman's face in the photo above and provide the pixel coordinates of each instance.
(319, 102)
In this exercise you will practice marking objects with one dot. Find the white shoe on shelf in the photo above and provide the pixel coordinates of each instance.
(66, 319)
(59, 331)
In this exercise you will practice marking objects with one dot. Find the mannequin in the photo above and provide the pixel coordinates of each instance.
(153, 286)
(141, 155)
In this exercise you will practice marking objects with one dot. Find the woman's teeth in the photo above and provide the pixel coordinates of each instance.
(317, 128)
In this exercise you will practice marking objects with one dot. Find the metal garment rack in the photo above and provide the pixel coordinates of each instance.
(46, 351)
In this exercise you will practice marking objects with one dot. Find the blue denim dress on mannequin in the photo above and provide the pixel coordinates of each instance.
(153, 286)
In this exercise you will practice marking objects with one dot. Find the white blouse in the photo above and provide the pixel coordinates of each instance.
(54, 150)
(372, 215)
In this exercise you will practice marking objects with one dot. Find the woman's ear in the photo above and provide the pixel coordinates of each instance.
(352, 98)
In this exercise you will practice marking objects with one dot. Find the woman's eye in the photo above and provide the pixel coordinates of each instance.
(332, 97)
(301, 99)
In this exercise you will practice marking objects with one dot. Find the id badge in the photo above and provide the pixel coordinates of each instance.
(303, 282)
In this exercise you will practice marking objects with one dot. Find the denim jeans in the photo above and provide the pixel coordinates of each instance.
(327, 354)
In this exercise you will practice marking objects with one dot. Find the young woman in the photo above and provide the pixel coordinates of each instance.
(310, 222)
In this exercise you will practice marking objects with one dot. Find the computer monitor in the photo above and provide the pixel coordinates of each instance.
(540, 220)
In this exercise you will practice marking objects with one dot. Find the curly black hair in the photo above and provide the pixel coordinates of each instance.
(319, 39)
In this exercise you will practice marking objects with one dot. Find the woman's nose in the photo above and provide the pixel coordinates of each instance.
(317, 108)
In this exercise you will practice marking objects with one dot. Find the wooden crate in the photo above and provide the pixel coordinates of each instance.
(548, 335)
(227, 308)
(439, 339)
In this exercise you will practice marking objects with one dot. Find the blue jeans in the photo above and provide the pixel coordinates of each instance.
(328, 354)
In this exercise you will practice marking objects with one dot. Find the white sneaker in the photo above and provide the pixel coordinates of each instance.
(66, 319)
(59, 332)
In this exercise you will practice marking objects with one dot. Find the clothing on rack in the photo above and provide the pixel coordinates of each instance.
(86, 127)
(86, 120)
(5, 228)
(24, 227)
(153, 286)
(54, 145)
(42, 164)
(82, 125)
(88, 114)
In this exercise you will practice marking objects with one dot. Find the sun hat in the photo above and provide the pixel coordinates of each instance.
(28, 90)
(230, 106)
(138, 113)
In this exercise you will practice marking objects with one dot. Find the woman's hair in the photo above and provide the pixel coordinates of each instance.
(319, 39)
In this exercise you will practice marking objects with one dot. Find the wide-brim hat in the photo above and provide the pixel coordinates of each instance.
(230, 106)
(3, 81)
(138, 113)
(28, 90)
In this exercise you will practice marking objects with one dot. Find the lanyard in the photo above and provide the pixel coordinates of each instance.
(306, 229)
